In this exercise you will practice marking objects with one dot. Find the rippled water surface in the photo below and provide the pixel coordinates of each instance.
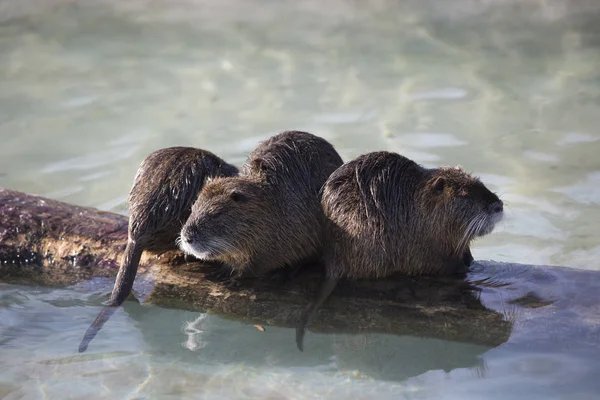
(508, 89)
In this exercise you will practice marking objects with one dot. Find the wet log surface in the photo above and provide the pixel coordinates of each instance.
(47, 242)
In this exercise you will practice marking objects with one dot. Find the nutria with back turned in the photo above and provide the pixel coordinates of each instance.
(165, 187)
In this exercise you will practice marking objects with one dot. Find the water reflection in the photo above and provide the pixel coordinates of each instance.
(550, 314)
(434, 312)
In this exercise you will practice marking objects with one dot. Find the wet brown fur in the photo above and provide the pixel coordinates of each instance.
(270, 215)
(386, 214)
(165, 187)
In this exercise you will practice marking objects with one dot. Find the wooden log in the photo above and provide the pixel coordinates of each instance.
(47, 242)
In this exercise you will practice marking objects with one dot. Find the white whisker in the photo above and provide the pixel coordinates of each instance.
(211, 249)
(481, 226)
(475, 228)
(466, 235)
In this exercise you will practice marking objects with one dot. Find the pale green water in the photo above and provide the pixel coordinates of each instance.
(511, 91)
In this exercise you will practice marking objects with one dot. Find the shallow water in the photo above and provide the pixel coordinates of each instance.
(508, 89)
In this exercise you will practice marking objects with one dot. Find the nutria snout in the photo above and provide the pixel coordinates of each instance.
(224, 221)
(386, 214)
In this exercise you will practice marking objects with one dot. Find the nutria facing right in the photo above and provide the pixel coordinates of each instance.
(386, 214)
(165, 186)
(270, 215)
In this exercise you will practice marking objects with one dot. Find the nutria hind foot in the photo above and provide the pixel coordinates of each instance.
(324, 291)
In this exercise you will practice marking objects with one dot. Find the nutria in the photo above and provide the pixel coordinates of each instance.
(165, 187)
(387, 214)
(270, 215)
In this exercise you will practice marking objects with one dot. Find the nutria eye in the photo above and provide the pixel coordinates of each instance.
(439, 184)
(235, 196)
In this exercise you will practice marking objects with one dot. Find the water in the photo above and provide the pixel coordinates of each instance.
(508, 89)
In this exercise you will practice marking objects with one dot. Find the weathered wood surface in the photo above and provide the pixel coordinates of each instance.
(48, 242)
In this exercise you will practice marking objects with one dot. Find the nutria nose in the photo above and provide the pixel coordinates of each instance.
(185, 236)
(497, 207)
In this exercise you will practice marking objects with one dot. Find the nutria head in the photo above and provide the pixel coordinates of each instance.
(458, 206)
(227, 220)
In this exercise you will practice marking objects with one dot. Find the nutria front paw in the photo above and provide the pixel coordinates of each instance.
(233, 283)
(219, 273)
(227, 277)
(188, 258)
(284, 275)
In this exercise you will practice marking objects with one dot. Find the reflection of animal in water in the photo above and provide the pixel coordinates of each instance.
(386, 214)
(164, 189)
(194, 331)
(270, 215)
(383, 357)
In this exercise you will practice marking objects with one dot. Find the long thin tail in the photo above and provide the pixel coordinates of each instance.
(324, 291)
(126, 275)
(92, 331)
(121, 290)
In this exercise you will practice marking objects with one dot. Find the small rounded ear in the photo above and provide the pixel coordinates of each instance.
(438, 184)
(236, 196)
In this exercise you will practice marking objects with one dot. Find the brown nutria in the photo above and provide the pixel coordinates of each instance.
(387, 214)
(270, 215)
(165, 187)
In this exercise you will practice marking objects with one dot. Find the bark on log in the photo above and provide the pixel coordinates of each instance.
(48, 242)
